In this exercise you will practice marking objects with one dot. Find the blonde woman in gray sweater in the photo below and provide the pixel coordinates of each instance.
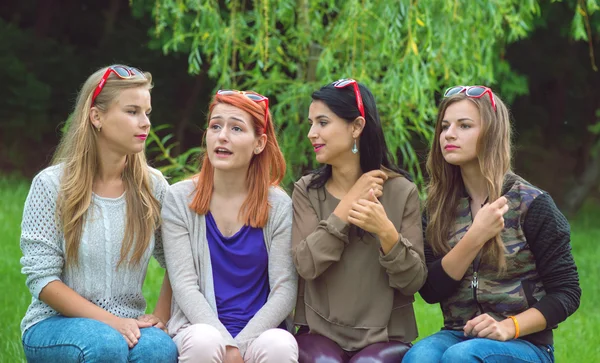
(88, 231)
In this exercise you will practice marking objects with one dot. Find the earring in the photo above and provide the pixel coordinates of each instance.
(98, 128)
(354, 148)
(257, 150)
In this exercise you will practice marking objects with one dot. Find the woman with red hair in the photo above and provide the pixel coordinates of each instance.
(227, 237)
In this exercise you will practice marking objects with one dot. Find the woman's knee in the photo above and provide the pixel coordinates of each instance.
(316, 347)
(200, 343)
(78, 340)
(154, 345)
(274, 345)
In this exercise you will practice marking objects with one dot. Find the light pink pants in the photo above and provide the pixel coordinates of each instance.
(202, 343)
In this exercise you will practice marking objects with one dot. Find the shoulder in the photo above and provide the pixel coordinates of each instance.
(303, 182)
(279, 199)
(183, 189)
(50, 177)
(521, 193)
(159, 182)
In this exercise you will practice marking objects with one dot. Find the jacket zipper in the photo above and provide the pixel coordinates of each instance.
(475, 281)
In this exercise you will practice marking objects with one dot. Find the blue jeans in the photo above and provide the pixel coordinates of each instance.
(450, 346)
(62, 339)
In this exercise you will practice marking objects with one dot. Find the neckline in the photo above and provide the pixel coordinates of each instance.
(216, 227)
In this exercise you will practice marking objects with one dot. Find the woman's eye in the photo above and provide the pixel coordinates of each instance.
(132, 112)
(445, 127)
(236, 128)
(215, 126)
(322, 123)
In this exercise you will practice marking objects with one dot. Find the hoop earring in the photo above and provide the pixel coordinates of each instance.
(354, 148)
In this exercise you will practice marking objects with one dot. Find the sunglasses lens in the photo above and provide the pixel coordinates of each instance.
(452, 91)
(121, 71)
(137, 72)
(254, 97)
(342, 83)
(475, 91)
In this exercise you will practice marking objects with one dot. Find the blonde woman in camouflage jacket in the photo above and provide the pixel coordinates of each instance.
(497, 248)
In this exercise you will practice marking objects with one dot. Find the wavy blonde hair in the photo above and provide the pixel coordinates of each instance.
(78, 151)
(446, 186)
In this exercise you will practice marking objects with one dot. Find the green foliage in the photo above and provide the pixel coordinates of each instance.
(176, 167)
(407, 52)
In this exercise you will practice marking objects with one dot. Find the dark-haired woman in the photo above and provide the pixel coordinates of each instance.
(357, 238)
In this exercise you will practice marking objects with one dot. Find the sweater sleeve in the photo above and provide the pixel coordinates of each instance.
(181, 267)
(161, 186)
(316, 245)
(405, 263)
(549, 237)
(283, 279)
(439, 285)
(43, 257)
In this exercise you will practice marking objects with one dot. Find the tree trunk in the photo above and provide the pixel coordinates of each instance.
(200, 80)
(590, 178)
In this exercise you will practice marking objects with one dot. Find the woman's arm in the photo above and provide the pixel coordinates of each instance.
(283, 279)
(183, 275)
(446, 273)
(315, 244)
(404, 261)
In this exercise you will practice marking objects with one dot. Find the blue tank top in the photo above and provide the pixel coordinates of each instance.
(240, 273)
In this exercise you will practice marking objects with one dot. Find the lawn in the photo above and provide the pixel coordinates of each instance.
(575, 339)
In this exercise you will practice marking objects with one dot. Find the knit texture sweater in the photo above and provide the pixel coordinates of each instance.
(96, 276)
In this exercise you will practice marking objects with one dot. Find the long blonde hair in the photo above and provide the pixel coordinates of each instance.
(78, 150)
(446, 186)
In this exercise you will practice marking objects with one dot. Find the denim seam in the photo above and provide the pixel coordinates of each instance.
(81, 353)
(508, 355)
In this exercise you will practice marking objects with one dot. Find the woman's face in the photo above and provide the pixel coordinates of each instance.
(125, 125)
(461, 127)
(331, 136)
(231, 141)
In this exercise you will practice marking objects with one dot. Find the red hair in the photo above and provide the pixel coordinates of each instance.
(266, 169)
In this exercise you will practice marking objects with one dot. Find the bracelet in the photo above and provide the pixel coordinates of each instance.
(516, 326)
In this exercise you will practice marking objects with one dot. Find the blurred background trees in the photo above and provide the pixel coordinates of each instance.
(539, 56)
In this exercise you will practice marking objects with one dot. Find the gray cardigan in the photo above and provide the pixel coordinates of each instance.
(190, 269)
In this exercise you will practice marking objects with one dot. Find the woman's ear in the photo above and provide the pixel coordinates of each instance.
(95, 118)
(261, 143)
(358, 125)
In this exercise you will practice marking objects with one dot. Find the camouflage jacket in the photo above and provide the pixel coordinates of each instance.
(541, 272)
(484, 292)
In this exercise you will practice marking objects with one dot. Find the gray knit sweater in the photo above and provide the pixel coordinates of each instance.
(190, 269)
(96, 278)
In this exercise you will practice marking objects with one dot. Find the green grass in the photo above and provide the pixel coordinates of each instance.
(575, 339)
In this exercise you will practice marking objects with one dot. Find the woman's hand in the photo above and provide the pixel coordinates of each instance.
(129, 329)
(484, 326)
(372, 180)
(233, 355)
(154, 320)
(370, 215)
(489, 221)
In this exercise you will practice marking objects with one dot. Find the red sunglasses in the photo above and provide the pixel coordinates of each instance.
(343, 83)
(122, 72)
(256, 97)
(472, 91)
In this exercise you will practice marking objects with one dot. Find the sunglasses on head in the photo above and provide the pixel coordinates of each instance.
(343, 83)
(256, 97)
(472, 91)
(122, 72)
